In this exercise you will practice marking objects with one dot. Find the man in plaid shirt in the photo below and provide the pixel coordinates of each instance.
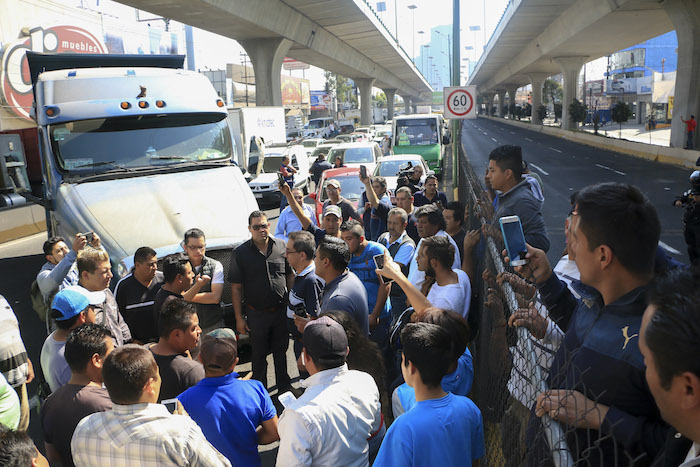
(138, 431)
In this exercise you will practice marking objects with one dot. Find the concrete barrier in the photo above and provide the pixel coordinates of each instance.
(21, 221)
(662, 154)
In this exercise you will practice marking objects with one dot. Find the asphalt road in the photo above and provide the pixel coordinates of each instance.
(565, 167)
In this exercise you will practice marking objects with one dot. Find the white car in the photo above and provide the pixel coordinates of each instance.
(265, 186)
(357, 154)
(390, 166)
(321, 148)
(365, 129)
(311, 143)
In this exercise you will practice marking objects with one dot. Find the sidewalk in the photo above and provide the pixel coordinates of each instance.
(634, 132)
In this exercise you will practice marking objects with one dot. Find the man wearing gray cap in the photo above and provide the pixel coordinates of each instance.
(332, 421)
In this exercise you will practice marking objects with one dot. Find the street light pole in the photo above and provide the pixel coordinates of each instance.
(456, 133)
(413, 31)
(396, 20)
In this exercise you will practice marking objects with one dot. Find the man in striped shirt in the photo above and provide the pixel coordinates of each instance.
(136, 292)
(138, 430)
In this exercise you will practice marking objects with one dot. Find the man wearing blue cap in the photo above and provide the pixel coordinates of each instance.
(71, 307)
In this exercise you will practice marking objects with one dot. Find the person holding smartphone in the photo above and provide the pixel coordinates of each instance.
(377, 205)
(287, 171)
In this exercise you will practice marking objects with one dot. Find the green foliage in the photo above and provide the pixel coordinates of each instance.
(596, 121)
(527, 111)
(557, 111)
(338, 85)
(542, 112)
(577, 111)
(380, 99)
(620, 114)
(505, 110)
(552, 92)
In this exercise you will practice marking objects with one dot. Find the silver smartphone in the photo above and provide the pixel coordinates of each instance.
(514, 238)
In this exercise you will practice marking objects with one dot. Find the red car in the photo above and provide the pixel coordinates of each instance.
(351, 187)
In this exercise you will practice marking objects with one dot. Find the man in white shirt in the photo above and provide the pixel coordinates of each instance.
(339, 411)
(451, 289)
(430, 222)
(139, 431)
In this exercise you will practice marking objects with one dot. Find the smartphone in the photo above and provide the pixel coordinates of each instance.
(280, 177)
(363, 171)
(379, 262)
(287, 398)
(170, 404)
(513, 236)
(89, 236)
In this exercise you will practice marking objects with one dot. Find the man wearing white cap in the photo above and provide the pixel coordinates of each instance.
(71, 307)
(334, 189)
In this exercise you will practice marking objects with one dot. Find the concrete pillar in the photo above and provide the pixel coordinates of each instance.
(407, 104)
(390, 94)
(489, 103)
(537, 80)
(641, 111)
(501, 102)
(685, 15)
(511, 100)
(267, 56)
(570, 68)
(365, 87)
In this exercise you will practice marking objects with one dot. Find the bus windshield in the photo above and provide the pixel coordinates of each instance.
(135, 142)
(416, 132)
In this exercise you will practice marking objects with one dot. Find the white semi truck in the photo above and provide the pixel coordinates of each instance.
(253, 128)
(138, 150)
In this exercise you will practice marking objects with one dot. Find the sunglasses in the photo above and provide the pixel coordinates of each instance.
(260, 226)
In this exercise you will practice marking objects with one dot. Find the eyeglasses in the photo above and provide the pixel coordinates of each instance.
(260, 226)
(289, 252)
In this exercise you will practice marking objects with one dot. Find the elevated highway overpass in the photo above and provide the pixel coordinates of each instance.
(536, 39)
(342, 36)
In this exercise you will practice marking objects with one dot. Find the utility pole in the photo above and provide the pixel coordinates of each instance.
(456, 133)
(245, 76)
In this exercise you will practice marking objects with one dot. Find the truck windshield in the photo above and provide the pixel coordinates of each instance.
(416, 132)
(316, 124)
(144, 141)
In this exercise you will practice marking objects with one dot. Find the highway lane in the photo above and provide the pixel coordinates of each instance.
(566, 167)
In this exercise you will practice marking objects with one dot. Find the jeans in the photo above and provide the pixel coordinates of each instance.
(689, 143)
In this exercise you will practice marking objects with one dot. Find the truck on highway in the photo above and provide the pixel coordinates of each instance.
(137, 150)
(422, 134)
(253, 128)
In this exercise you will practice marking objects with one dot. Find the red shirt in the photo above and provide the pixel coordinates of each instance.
(691, 124)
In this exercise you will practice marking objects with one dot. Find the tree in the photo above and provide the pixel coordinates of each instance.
(511, 111)
(596, 121)
(620, 114)
(527, 111)
(577, 111)
(505, 110)
(542, 112)
(338, 85)
(380, 99)
(557, 111)
(552, 93)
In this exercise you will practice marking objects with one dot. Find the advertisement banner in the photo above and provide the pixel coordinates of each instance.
(15, 81)
(320, 100)
(294, 92)
(644, 85)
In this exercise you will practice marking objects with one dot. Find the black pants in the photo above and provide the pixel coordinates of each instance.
(692, 239)
(269, 334)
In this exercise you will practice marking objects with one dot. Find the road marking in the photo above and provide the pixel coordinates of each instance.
(533, 165)
(612, 170)
(494, 139)
(668, 248)
(554, 149)
(485, 133)
(529, 140)
(512, 133)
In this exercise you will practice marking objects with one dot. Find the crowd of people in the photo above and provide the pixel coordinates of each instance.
(376, 303)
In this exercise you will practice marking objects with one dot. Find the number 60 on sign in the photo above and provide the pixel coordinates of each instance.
(460, 102)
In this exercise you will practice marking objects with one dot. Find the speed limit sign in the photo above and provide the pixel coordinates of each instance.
(460, 102)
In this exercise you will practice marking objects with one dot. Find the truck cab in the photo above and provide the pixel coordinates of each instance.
(138, 154)
(422, 134)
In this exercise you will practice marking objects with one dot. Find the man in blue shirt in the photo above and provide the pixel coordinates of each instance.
(430, 195)
(441, 429)
(227, 409)
(362, 264)
(401, 248)
(288, 221)
(377, 205)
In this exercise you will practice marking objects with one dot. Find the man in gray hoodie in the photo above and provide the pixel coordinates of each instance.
(515, 196)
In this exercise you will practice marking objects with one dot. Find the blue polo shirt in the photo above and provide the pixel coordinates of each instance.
(364, 268)
(228, 411)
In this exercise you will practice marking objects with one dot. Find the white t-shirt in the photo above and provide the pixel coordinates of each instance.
(417, 277)
(53, 363)
(218, 277)
(455, 297)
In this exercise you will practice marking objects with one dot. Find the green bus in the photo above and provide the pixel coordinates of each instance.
(422, 134)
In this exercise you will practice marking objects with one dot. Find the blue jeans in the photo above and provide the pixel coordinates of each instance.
(689, 143)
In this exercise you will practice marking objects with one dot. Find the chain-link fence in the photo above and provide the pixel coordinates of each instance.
(511, 365)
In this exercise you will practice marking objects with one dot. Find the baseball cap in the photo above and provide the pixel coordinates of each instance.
(325, 340)
(219, 349)
(70, 301)
(333, 182)
(333, 209)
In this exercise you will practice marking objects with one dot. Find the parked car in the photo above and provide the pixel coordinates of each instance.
(351, 138)
(390, 166)
(265, 186)
(357, 154)
(351, 187)
(322, 148)
(365, 129)
(361, 137)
